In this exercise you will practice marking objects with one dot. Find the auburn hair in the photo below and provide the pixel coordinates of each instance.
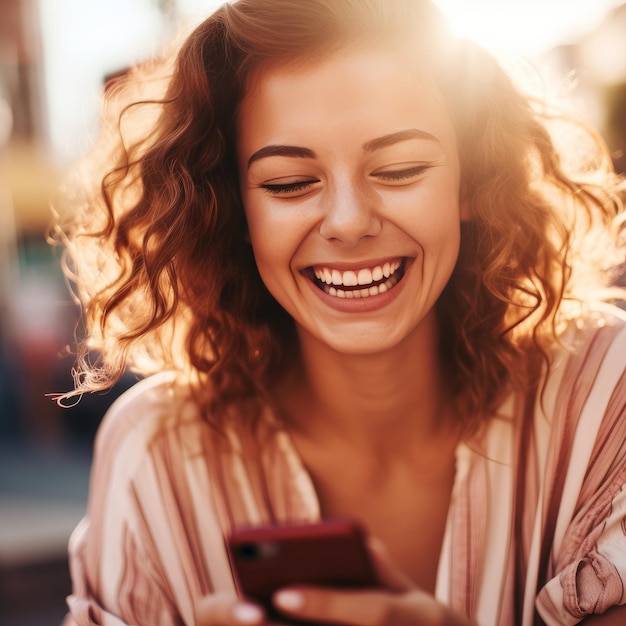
(155, 232)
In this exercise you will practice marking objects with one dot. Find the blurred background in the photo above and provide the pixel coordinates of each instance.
(54, 57)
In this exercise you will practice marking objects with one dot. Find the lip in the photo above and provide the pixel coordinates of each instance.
(359, 305)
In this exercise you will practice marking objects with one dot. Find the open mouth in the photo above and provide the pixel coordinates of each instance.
(362, 283)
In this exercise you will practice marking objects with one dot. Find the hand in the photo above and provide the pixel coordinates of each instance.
(400, 603)
(225, 609)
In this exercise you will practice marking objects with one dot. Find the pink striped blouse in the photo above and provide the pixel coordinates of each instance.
(537, 520)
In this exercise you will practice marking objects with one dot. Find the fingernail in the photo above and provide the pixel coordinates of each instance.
(289, 600)
(375, 544)
(247, 614)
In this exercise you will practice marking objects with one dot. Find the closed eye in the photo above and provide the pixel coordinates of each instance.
(401, 175)
(285, 189)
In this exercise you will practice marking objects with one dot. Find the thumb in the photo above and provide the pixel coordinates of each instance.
(388, 574)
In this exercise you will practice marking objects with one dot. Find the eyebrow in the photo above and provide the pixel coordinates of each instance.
(393, 138)
(284, 151)
(370, 146)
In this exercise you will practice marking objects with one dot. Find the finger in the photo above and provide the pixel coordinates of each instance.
(366, 608)
(227, 610)
(324, 605)
(388, 574)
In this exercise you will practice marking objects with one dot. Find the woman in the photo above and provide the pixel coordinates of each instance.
(348, 244)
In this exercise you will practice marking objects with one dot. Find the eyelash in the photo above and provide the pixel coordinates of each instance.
(288, 188)
(402, 174)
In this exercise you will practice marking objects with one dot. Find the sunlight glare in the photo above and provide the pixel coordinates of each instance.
(526, 28)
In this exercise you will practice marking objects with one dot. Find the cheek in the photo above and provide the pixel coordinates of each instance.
(277, 230)
(438, 229)
(268, 257)
(274, 241)
(445, 235)
(432, 216)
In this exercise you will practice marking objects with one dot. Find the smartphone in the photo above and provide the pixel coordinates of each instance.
(329, 553)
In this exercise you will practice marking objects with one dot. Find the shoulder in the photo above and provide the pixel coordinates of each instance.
(152, 449)
(599, 321)
(583, 438)
(593, 348)
(151, 482)
(584, 393)
(142, 412)
(156, 417)
(584, 478)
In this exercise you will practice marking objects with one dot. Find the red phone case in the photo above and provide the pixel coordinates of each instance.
(330, 553)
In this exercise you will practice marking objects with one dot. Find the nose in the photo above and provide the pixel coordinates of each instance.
(350, 215)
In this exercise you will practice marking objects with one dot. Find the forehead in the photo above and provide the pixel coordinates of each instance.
(353, 92)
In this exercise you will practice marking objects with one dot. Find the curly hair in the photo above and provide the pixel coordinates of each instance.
(155, 237)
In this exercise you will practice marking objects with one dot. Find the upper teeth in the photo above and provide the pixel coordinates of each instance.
(352, 278)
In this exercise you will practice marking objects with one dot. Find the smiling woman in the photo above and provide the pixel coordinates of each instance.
(355, 271)
(347, 197)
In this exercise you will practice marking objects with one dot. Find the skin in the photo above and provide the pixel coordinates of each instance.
(348, 164)
(381, 181)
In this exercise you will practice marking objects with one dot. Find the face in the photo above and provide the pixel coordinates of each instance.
(350, 182)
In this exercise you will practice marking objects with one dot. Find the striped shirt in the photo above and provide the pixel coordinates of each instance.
(536, 524)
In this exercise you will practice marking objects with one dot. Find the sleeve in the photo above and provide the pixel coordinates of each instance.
(140, 555)
(593, 578)
(588, 571)
(142, 596)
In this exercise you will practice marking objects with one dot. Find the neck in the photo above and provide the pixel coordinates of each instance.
(377, 400)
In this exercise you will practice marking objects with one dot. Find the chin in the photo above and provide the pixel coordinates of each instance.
(367, 345)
